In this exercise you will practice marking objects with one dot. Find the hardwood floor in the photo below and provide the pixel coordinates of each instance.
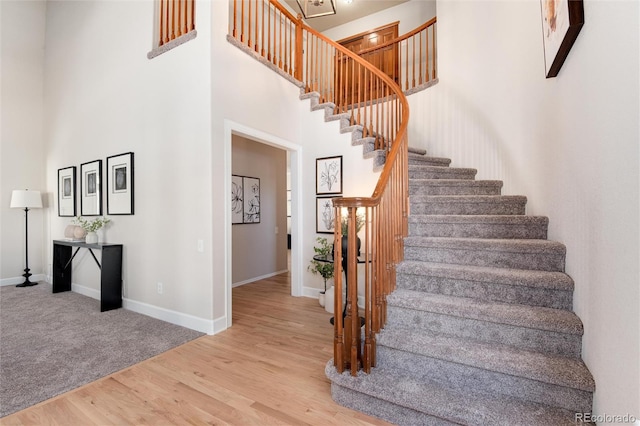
(267, 369)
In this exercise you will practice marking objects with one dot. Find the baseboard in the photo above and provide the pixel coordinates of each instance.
(173, 317)
(239, 283)
(311, 292)
(20, 279)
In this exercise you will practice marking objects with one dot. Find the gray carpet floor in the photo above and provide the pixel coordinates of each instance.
(52, 343)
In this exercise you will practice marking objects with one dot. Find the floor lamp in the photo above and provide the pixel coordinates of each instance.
(25, 199)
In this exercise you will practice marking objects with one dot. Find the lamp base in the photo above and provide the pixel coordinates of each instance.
(26, 282)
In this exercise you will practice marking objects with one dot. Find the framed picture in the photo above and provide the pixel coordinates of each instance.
(325, 215)
(120, 184)
(67, 192)
(237, 200)
(562, 21)
(329, 175)
(251, 199)
(91, 188)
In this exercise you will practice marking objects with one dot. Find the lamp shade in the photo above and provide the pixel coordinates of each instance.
(23, 198)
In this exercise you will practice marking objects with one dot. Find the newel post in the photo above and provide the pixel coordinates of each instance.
(297, 73)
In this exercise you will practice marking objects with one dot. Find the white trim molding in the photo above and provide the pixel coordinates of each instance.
(18, 280)
(262, 277)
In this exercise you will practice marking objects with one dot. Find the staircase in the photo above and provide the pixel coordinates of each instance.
(480, 329)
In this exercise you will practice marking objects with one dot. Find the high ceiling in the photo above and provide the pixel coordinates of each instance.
(345, 12)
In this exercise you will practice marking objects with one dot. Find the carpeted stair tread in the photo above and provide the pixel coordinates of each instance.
(440, 172)
(550, 369)
(426, 160)
(413, 151)
(459, 407)
(454, 187)
(479, 226)
(535, 317)
(515, 277)
(507, 253)
(418, 198)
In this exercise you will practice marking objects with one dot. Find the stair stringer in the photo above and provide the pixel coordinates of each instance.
(378, 156)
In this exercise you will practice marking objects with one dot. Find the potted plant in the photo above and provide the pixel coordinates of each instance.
(91, 226)
(323, 268)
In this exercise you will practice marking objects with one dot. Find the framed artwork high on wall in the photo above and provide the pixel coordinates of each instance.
(91, 188)
(67, 192)
(562, 21)
(120, 184)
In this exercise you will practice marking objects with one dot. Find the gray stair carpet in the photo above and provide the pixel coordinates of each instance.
(480, 329)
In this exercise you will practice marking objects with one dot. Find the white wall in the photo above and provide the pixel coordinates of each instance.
(21, 139)
(104, 97)
(570, 144)
(258, 250)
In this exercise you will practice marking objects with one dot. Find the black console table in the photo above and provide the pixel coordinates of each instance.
(110, 270)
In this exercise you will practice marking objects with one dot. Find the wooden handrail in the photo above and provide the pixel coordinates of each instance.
(375, 105)
(399, 38)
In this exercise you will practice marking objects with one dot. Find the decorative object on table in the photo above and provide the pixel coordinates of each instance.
(329, 175)
(25, 199)
(325, 215)
(245, 199)
(120, 184)
(74, 233)
(91, 226)
(91, 188)
(562, 21)
(67, 192)
(237, 197)
(323, 268)
(251, 187)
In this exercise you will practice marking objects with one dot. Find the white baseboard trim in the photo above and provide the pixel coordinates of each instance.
(311, 292)
(20, 279)
(239, 283)
(219, 325)
(178, 318)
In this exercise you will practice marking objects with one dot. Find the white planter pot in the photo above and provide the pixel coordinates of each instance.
(91, 238)
(321, 298)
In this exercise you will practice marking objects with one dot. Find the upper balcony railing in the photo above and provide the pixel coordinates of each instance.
(177, 18)
(377, 107)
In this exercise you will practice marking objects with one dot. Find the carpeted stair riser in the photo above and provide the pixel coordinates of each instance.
(486, 283)
(467, 205)
(487, 291)
(486, 367)
(518, 254)
(435, 172)
(383, 409)
(403, 398)
(454, 187)
(461, 378)
(543, 341)
(479, 226)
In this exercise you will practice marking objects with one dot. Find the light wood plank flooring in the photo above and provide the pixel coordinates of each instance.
(267, 369)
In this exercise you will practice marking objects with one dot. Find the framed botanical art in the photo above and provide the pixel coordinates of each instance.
(562, 21)
(325, 215)
(251, 199)
(67, 192)
(329, 175)
(237, 197)
(91, 188)
(120, 184)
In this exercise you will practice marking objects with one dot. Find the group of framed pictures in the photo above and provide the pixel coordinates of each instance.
(119, 187)
(245, 199)
(328, 185)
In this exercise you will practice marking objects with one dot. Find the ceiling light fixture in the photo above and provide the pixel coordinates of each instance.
(317, 8)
